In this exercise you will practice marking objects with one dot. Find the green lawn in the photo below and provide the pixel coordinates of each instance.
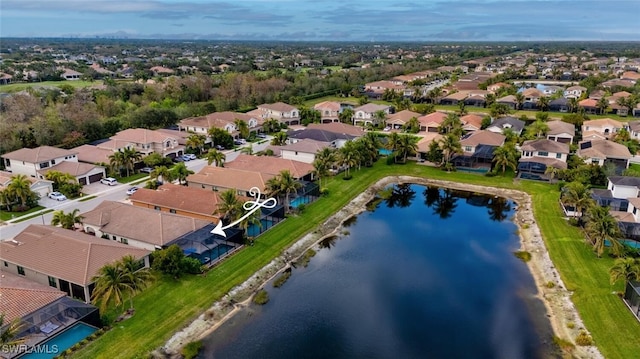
(169, 305)
(16, 87)
(7, 215)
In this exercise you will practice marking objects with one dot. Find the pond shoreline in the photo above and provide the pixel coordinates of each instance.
(557, 299)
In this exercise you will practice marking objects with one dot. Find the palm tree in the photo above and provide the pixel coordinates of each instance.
(413, 125)
(379, 118)
(602, 105)
(130, 158)
(602, 227)
(248, 150)
(451, 124)
(9, 331)
(66, 220)
(537, 129)
(348, 156)
(392, 141)
(20, 187)
(519, 100)
(116, 162)
(6, 199)
(253, 219)
(346, 116)
(279, 139)
(506, 156)
(407, 145)
(323, 163)
(137, 275)
(161, 172)
(627, 269)
(111, 284)
(196, 141)
(59, 178)
(434, 95)
(450, 145)
(271, 125)
(543, 103)
(230, 207)
(242, 127)
(283, 185)
(216, 156)
(578, 195)
(181, 172)
(573, 104)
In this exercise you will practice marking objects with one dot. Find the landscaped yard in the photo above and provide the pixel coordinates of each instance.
(16, 87)
(169, 305)
(6, 215)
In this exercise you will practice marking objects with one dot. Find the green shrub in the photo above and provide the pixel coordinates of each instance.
(571, 325)
(306, 257)
(282, 278)
(563, 344)
(550, 284)
(523, 255)
(191, 350)
(584, 339)
(324, 192)
(261, 298)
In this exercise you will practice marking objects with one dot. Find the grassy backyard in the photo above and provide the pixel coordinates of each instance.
(169, 305)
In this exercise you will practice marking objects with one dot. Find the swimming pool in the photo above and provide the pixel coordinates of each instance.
(300, 200)
(61, 342)
(212, 254)
(384, 151)
(254, 230)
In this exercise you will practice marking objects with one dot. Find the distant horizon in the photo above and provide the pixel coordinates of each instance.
(325, 20)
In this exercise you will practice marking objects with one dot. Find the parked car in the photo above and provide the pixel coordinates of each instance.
(146, 170)
(189, 157)
(219, 148)
(261, 135)
(109, 181)
(131, 191)
(178, 159)
(57, 196)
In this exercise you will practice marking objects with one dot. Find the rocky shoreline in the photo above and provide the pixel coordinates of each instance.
(557, 299)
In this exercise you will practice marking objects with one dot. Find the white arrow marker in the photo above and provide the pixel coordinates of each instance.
(250, 206)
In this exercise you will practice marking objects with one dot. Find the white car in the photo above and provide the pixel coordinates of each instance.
(57, 196)
(189, 157)
(131, 191)
(109, 181)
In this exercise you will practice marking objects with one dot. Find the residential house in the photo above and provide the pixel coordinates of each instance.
(272, 165)
(223, 120)
(398, 120)
(509, 100)
(636, 111)
(338, 127)
(602, 128)
(93, 154)
(454, 98)
(138, 227)
(40, 186)
(336, 139)
(559, 105)
(180, 200)
(561, 131)
(431, 122)
(62, 258)
(425, 141)
(574, 91)
(284, 113)
(161, 71)
(495, 88)
(634, 129)
(84, 173)
(619, 190)
(367, 114)
(5, 79)
(376, 89)
(630, 75)
(144, 141)
(589, 106)
(71, 75)
(471, 123)
(303, 150)
(329, 111)
(604, 152)
(501, 124)
(221, 179)
(538, 155)
(478, 150)
(550, 90)
(614, 103)
(531, 97)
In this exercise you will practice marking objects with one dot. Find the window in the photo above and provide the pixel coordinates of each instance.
(543, 153)
(634, 211)
(595, 161)
(172, 210)
(53, 162)
(44, 165)
(124, 241)
(558, 155)
(114, 238)
(467, 148)
(296, 153)
(6, 264)
(20, 270)
(157, 208)
(53, 282)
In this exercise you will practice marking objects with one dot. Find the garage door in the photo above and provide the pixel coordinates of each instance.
(83, 181)
(95, 178)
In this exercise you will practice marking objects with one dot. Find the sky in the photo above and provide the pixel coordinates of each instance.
(322, 20)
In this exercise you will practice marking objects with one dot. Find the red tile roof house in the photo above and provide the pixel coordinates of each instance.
(471, 123)
(272, 165)
(40, 186)
(602, 152)
(43, 311)
(185, 201)
(376, 89)
(329, 111)
(138, 227)
(509, 100)
(222, 120)
(366, 114)
(35, 162)
(284, 113)
(398, 120)
(71, 75)
(537, 155)
(431, 122)
(144, 141)
(221, 179)
(589, 105)
(561, 131)
(63, 258)
(601, 128)
(531, 97)
(454, 98)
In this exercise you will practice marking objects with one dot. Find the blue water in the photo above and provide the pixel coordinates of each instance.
(385, 152)
(62, 341)
(213, 254)
(300, 200)
(627, 242)
(254, 230)
(427, 274)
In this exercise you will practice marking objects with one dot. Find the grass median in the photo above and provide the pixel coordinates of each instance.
(169, 305)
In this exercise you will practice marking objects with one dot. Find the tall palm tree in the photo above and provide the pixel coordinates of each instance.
(519, 100)
(602, 227)
(196, 141)
(573, 104)
(271, 125)
(506, 156)
(627, 269)
(451, 124)
(136, 274)
(230, 207)
(20, 187)
(279, 139)
(450, 145)
(161, 172)
(348, 157)
(248, 150)
(111, 285)
(117, 162)
(379, 118)
(578, 195)
(543, 103)
(283, 185)
(130, 158)
(59, 178)
(9, 332)
(602, 105)
(66, 220)
(537, 129)
(346, 116)
(181, 172)
(323, 163)
(242, 127)
(407, 146)
(413, 125)
(217, 157)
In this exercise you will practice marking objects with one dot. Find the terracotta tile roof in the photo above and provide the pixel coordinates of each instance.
(219, 119)
(432, 118)
(230, 178)
(270, 165)
(589, 102)
(20, 296)
(543, 144)
(425, 141)
(141, 224)
(38, 154)
(557, 127)
(140, 135)
(278, 106)
(602, 122)
(339, 127)
(187, 199)
(622, 216)
(459, 96)
(5, 178)
(483, 137)
(508, 98)
(73, 168)
(62, 253)
(402, 117)
(473, 120)
(93, 154)
(602, 149)
(327, 105)
(371, 108)
(532, 92)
